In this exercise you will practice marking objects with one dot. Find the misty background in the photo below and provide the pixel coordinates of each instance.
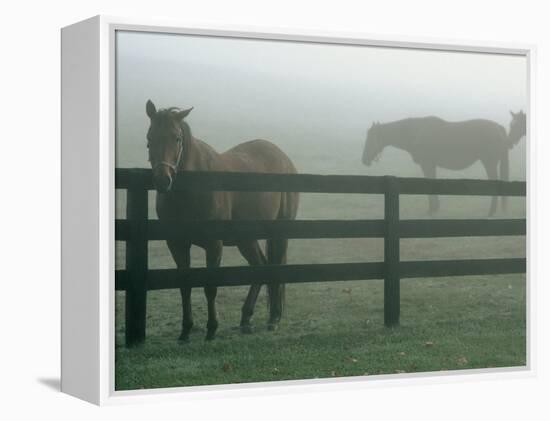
(316, 101)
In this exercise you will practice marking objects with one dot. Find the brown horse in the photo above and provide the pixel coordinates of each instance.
(172, 148)
(433, 142)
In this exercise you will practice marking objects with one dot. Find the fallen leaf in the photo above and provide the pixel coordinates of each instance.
(462, 360)
(351, 360)
(275, 370)
(428, 344)
(333, 373)
(401, 354)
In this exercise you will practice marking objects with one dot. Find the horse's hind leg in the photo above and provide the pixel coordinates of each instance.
(187, 315)
(252, 252)
(181, 253)
(492, 174)
(248, 308)
(276, 255)
(213, 259)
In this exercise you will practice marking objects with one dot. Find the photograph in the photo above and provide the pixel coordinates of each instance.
(298, 210)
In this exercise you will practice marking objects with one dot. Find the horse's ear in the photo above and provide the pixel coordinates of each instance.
(180, 115)
(150, 108)
(512, 114)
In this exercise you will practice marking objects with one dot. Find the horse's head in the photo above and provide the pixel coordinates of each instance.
(518, 125)
(373, 145)
(166, 143)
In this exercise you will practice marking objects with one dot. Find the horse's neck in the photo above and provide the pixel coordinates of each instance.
(198, 155)
(513, 140)
(395, 134)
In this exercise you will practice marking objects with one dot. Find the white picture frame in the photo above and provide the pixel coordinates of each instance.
(88, 150)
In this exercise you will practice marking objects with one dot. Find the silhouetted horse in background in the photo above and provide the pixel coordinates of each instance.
(172, 148)
(433, 142)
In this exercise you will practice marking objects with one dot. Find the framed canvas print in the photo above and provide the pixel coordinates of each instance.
(246, 209)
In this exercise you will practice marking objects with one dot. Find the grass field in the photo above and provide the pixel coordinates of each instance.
(332, 329)
(336, 329)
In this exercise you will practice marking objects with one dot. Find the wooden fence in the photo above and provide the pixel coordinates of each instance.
(136, 230)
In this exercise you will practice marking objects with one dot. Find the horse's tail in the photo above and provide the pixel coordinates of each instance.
(276, 249)
(505, 174)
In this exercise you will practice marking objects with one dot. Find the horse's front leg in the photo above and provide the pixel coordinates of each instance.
(429, 171)
(213, 260)
(181, 252)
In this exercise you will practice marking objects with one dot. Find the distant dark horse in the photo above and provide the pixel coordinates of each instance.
(433, 142)
(172, 148)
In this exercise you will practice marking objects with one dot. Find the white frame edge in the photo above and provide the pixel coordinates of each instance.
(98, 387)
(80, 122)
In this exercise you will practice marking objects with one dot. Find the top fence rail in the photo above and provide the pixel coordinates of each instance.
(140, 178)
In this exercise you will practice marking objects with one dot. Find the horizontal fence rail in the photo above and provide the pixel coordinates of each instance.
(265, 274)
(309, 183)
(294, 274)
(433, 228)
(464, 267)
(246, 230)
(137, 230)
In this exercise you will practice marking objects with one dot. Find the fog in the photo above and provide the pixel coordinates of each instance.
(316, 101)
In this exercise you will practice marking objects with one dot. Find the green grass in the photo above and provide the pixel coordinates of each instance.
(332, 330)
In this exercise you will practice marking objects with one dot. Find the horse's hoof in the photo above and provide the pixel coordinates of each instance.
(183, 339)
(246, 329)
(210, 336)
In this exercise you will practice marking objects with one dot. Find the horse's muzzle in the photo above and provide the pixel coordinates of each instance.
(163, 183)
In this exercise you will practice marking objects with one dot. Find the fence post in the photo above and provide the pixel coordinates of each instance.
(136, 265)
(391, 253)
